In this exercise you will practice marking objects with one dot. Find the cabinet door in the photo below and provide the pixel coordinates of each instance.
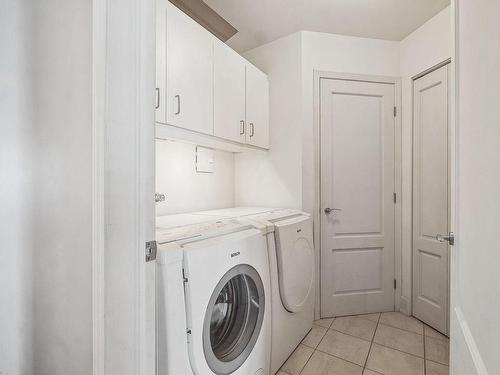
(229, 93)
(189, 97)
(257, 107)
(161, 46)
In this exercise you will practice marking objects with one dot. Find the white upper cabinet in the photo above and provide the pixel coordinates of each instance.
(161, 50)
(205, 86)
(189, 78)
(257, 107)
(229, 93)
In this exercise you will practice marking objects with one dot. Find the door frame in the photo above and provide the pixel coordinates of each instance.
(123, 208)
(396, 81)
(451, 149)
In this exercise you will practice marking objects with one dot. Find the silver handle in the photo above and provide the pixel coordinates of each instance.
(329, 210)
(157, 98)
(252, 130)
(242, 127)
(178, 97)
(450, 238)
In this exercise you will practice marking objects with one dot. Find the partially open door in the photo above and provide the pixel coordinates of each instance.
(431, 199)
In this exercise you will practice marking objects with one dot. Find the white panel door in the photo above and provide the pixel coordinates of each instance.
(229, 93)
(357, 185)
(257, 107)
(430, 199)
(189, 50)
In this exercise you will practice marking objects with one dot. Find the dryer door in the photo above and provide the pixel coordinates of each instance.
(295, 257)
(233, 319)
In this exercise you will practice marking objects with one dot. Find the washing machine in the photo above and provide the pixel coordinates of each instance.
(213, 299)
(291, 262)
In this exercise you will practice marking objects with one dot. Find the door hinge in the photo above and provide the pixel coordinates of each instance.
(395, 111)
(151, 250)
(395, 284)
(159, 197)
(395, 197)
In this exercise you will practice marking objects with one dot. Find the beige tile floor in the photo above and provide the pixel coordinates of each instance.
(372, 344)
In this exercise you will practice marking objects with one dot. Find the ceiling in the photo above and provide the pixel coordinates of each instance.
(262, 21)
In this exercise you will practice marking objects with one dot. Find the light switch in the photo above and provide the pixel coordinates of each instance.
(204, 160)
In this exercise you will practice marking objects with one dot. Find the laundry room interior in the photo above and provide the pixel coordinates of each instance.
(331, 139)
(249, 187)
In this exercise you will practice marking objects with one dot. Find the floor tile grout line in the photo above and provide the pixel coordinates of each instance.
(402, 329)
(317, 325)
(351, 335)
(336, 356)
(371, 343)
(399, 350)
(437, 363)
(314, 350)
(425, 355)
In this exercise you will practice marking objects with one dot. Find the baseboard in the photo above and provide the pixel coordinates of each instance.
(404, 305)
(465, 356)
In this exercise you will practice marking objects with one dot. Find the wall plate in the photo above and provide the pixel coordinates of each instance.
(204, 160)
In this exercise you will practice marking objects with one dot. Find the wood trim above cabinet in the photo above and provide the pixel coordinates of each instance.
(206, 17)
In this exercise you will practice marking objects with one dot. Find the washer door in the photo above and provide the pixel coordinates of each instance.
(233, 319)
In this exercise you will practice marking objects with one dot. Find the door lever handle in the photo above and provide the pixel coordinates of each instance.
(329, 210)
(450, 238)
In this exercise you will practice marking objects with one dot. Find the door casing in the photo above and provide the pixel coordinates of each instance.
(396, 81)
(123, 208)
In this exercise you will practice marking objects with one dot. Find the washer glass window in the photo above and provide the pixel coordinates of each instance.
(233, 319)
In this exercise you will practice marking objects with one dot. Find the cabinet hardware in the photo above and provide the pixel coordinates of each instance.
(178, 99)
(157, 98)
(252, 130)
(242, 127)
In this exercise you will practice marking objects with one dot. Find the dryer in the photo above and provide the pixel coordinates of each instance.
(291, 262)
(213, 299)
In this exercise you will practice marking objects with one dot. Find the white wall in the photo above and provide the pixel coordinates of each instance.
(425, 47)
(274, 180)
(45, 164)
(16, 189)
(475, 328)
(187, 190)
(62, 252)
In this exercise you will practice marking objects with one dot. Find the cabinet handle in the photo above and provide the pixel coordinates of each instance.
(157, 98)
(178, 98)
(242, 127)
(252, 130)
